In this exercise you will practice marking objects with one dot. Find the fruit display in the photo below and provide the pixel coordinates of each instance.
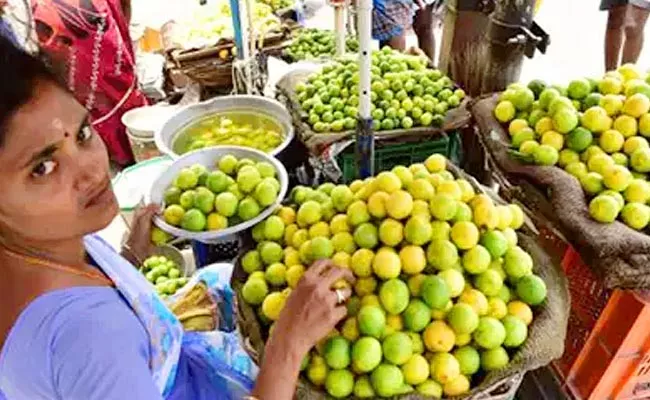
(248, 129)
(164, 274)
(208, 24)
(237, 190)
(405, 93)
(597, 130)
(315, 43)
(443, 292)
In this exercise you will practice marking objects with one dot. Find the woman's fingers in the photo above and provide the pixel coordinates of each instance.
(143, 216)
(319, 267)
(335, 274)
(148, 211)
(338, 314)
(340, 296)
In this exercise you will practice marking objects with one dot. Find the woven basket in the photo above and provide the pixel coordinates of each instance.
(211, 66)
(455, 119)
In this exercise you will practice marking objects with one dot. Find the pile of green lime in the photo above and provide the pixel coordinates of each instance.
(443, 292)
(163, 273)
(311, 43)
(597, 130)
(405, 93)
(237, 191)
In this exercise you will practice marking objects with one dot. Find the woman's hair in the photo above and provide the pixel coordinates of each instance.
(20, 73)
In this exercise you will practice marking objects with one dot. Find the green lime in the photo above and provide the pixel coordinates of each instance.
(516, 331)
(337, 352)
(397, 348)
(194, 220)
(372, 321)
(469, 360)
(531, 290)
(339, 383)
(394, 296)
(416, 316)
(494, 359)
(490, 333)
(462, 318)
(366, 354)
(387, 380)
(435, 292)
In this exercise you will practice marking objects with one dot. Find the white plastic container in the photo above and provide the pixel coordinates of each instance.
(141, 124)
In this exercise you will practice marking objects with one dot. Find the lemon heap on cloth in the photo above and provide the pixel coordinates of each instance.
(443, 291)
(596, 130)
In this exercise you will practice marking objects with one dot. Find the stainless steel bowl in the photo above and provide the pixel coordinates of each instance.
(209, 157)
(186, 116)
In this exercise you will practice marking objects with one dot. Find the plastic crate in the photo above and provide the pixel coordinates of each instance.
(607, 350)
(389, 154)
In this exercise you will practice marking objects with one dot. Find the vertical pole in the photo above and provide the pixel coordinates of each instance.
(249, 42)
(339, 29)
(236, 24)
(365, 141)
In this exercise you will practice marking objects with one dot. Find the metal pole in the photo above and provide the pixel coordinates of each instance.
(236, 24)
(365, 141)
(339, 28)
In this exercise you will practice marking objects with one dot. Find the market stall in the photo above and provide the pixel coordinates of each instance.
(455, 295)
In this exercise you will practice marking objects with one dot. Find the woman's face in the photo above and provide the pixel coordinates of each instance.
(54, 175)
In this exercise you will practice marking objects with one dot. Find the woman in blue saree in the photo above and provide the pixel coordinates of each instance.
(78, 321)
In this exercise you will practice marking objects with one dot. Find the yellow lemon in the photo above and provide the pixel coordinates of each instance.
(439, 337)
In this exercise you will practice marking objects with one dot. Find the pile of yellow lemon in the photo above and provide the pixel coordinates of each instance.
(596, 130)
(443, 291)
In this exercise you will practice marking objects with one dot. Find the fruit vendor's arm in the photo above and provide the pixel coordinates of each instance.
(311, 312)
(138, 245)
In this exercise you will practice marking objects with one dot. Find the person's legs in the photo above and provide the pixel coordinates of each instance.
(637, 18)
(423, 27)
(614, 37)
(390, 23)
(396, 42)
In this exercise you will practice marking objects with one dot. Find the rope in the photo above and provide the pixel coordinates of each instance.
(247, 77)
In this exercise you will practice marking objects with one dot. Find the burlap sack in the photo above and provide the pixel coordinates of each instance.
(546, 335)
(316, 142)
(618, 254)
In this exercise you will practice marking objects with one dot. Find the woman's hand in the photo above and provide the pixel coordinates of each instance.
(138, 245)
(312, 310)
